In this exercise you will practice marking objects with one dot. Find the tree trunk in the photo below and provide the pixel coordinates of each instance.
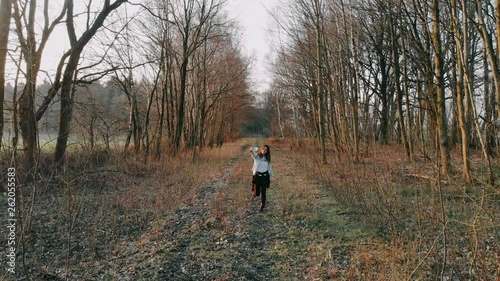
(421, 118)
(182, 98)
(491, 175)
(321, 105)
(397, 81)
(137, 129)
(26, 33)
(145, 133)
(409, 115)
(442, 129)
(159, 138)
(66, 111)
(5, 12)
(489, 111)
(353, 79)
(462, 58)
(27, 122)
(497, 84)
(130, 129)
(493, 56)
(135, 124)
(278, 109)
(15, 117)
(333, 124)
(27, 118)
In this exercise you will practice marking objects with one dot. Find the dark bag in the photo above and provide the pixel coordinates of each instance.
(253, 188)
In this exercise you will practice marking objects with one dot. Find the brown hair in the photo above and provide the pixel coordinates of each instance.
(267, 155)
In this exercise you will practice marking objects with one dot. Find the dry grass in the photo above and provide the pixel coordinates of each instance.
(232, 200)
(102, 199)
(372, 220)
(403, 203)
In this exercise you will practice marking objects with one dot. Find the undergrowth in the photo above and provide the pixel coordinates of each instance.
(383, 218)
(72, 217)
(436, 227)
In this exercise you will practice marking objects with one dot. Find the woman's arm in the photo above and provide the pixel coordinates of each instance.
(253, 151)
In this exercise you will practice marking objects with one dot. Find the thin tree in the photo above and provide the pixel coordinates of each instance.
(487, 37)
(442, 128)
(318, 28)
(32, 49)
(190, 19)
(394, 38)
(5, 12)
(461, 43)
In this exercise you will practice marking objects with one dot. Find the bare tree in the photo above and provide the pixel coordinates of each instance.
(77, 46)
(461, 43)
(395, 23)
(442, 128)
(32, 48)
(487, 37)
(192, 19)
(5, 12)
(123, 58)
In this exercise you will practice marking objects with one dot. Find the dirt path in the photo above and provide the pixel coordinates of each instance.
(220, 235)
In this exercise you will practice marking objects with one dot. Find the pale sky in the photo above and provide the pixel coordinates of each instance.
(252, 18)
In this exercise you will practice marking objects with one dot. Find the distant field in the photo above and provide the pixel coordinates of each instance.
(47, 141)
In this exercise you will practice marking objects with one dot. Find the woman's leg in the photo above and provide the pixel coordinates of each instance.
(264, 184)
(260, 187)
(263, 202)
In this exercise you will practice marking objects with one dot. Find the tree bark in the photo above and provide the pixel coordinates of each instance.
(32, 55)
(493, 56)
(442, 128)
(182, 98)
(5, 13)
(462, 58)
(319, 69)
(397, 82)
(497, 16)
(409, 115)
(489, 101)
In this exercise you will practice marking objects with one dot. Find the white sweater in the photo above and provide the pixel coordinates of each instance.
(260, 164)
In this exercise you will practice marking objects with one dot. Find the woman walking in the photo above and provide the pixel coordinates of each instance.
(262, 172)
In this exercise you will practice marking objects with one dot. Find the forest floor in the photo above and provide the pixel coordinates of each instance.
(164, 224)
(219, 233)
(215, 232)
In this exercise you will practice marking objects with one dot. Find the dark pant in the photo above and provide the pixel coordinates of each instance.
(260, 183)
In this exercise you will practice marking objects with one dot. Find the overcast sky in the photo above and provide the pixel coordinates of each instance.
(255, 22)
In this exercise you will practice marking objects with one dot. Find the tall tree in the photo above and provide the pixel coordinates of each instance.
(487, 37)
(32, 48)
(193, 22)
(394, 28)
(318, 28)
(77, 46)
(442, 128)
(461, 43)
(5, 12)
